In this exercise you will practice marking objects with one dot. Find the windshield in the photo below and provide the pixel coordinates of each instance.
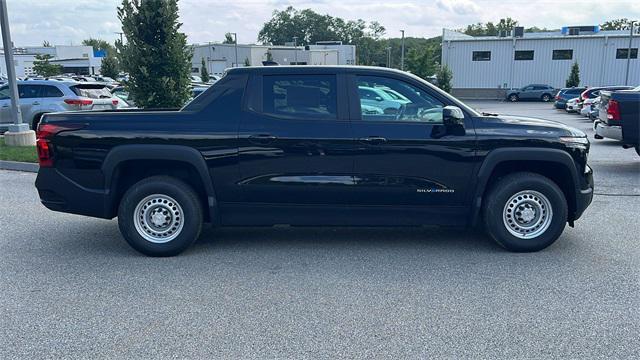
(91, 91)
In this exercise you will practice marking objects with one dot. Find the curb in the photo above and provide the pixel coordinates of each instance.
(19, 166)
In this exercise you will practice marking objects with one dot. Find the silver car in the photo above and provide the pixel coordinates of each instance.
(38, 97)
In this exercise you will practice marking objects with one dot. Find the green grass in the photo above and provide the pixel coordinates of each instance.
(18, 153)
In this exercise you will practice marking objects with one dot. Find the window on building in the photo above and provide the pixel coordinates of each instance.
(481, 56)
(624, 53)
(523, 55)
(562, 54)
(195, 70)
(300, 96)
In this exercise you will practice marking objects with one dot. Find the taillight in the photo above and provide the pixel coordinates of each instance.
(43, 144)
(114, 102)
(78, 101)
(613, 110)
(584, 95)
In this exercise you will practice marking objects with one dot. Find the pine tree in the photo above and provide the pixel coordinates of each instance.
(109, 67)
(443, 78)
(204, 73)
(156, 55)
(43, 67)
(574, 76)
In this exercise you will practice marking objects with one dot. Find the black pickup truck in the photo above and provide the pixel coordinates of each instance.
(311, 146)
(619, 117)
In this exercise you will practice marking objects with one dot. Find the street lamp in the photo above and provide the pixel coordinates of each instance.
(295, 49)
(402, 54)
(626, 76)
(235, 45)
(18, 132)
(388, 56)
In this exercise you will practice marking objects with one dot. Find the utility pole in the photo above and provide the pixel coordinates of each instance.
(18, 133)
(121, 36)
(626, 77)
(295, 49)
(235, 45)
(402, 55)
(388, 56)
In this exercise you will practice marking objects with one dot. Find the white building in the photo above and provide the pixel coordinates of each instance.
(74, 59)
(481, 66)
(219, 57)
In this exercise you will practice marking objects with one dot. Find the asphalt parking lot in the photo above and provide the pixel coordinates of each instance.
(71, 287)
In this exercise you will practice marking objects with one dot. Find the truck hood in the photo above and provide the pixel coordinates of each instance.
(532, 127)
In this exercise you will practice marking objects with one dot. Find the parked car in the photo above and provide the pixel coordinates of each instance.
(123, 95)
(531, 92)
(572, 105)
(593, 92)
(619, 117)
(587, 106)
(565, 94)
(38, 97)
(385, 99)
(288, 145)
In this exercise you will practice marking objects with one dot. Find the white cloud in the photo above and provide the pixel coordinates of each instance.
(71, 21)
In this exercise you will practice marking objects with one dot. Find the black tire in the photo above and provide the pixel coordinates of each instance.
(501, 193)
(546, 97)
(161, 188)
(513, 98)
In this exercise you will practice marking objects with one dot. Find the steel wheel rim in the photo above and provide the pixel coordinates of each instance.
(158, 218)
(527, 214)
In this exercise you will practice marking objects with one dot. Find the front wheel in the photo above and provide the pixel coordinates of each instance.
(546, 97)
(513, 97)
(525, 212)
(160, 216)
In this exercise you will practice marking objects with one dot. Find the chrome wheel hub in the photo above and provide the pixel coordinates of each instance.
(527, 214)
(158, 218)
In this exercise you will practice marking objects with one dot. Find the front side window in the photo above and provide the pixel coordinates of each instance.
(562, 54)
(300, 96)
(396, 100)
(481, 56)
(624, 53)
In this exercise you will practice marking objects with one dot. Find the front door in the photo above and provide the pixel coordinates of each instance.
(295, 143)
(408, 164)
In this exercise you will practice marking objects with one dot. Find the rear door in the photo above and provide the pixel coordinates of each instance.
(295, 143)
(5, 105)
(29, 101)
(409, 167)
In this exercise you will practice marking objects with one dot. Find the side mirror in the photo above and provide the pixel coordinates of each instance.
(378, 98)
(452, 116)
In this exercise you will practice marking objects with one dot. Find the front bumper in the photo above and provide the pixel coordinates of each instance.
(584, 196)
(607, 131)
(59, 193)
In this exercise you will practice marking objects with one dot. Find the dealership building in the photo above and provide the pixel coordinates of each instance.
(483, 67)
(75, 59)
(218, 57)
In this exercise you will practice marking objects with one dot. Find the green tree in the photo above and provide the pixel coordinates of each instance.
(444, 78)
(490, 29)
(617, 24)
(43, 67)
(204, 73)
(109, 66)
(228, 39)
(156, 55)
(421, 62)
(574, 76)
(99, 44)
(46, 43)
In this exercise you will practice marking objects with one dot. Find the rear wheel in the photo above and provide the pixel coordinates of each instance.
(160, 216)
(513, 97)
(546, 97)
(525, 212)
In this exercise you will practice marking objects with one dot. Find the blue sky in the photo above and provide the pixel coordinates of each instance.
(70, 21)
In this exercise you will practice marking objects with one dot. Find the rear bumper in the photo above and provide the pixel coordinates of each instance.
(607, 131)
(59, 193)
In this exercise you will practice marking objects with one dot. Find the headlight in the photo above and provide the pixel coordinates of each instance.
(577, 142)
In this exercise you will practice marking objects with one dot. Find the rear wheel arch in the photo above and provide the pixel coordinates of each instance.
(554, 164)
(36, 120)
(125, 165)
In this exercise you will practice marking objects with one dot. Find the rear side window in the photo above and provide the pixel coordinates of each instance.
(48, 91)
(300, 96)
(91, 91)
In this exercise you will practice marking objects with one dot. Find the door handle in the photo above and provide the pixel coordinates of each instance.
(35, 103)
(262, 139)
(373, 140)
(5, 106)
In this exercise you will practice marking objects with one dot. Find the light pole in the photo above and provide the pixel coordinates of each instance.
(18, 133)
(388, 56)
(235, 45)
(626, 76)
(121, 38)
(295, 49)
(402, 55)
